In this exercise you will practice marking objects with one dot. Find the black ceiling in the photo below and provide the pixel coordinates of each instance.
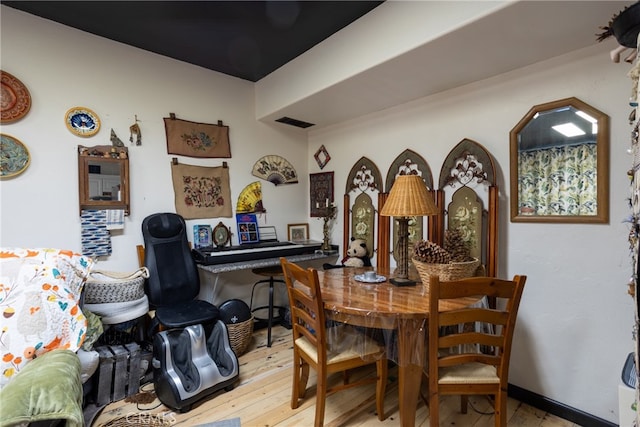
(246, 39)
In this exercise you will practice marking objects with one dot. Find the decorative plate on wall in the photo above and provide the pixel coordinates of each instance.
(15, 100)
(82, 121)
(14, 156)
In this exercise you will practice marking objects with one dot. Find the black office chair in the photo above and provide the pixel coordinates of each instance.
(192, 354)
(174, 283)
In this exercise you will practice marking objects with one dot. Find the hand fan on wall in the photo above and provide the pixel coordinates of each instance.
(275, 169)
(250, 199)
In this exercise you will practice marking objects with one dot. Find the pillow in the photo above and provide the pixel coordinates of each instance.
(39, 300)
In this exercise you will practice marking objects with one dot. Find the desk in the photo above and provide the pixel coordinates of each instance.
(210, 290)
(385, 306)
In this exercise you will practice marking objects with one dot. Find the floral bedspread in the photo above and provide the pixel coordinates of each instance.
(39, 301)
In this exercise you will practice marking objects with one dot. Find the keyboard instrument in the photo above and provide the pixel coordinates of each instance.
(253, 251)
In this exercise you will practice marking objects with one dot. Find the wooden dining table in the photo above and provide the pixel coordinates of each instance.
(401, 310)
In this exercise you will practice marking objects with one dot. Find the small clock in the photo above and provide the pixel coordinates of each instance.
(82, 121)
(221, 235)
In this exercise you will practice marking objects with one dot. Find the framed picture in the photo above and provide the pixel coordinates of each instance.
(247, 228)
(321, 192)
(296, 232)
(202, 236)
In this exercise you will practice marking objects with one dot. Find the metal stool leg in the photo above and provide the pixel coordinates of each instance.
(270, 307)
(270, 318)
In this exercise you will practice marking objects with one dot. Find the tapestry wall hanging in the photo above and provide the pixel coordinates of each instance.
(201, 192)
(321, 193)
(196, 139)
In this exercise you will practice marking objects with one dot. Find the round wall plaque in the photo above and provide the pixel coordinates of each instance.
(82, 121)
(14, 156)
(15, 100)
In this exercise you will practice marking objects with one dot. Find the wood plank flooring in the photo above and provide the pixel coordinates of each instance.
(262, 395)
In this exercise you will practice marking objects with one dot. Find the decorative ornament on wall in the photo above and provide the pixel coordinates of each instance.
(250, 199)
(15, 100)
(82, 121)
(14, 156)
(275, 169)
(134, 129)
(322, 157)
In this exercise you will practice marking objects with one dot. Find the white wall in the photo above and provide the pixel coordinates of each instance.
(575, 324)
(63, 68)
(576, 318)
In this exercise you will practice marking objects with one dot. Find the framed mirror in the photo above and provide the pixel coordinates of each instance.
(103, 177)
(559, 158)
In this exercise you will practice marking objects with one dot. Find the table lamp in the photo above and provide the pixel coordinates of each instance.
(408, 197)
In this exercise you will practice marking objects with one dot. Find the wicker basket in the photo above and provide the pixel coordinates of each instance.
(110, 287)
(446, 272)
(240, 335)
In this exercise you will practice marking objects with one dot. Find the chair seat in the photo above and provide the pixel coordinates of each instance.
(345, 344)
(469, 373)
(268, 271)
(186, 314)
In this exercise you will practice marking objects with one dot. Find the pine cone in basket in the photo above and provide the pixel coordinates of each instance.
(431, 253)
(457, 246)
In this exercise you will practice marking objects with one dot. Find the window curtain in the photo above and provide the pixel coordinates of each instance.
(558, 181)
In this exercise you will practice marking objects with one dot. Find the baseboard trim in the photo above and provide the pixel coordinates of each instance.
(556, 408)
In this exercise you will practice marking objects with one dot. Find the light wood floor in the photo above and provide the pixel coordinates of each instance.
(261, 398)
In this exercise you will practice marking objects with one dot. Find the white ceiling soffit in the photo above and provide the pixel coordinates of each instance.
(509, 38)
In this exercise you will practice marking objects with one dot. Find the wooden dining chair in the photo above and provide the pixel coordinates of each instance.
(312, 348)
(469, 360)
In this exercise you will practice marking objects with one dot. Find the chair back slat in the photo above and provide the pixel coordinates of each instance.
(461, 359)
(305, 302)
(489, 286)
(490, 340)
(465, 315)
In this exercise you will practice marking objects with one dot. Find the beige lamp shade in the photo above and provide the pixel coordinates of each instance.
(409, 197)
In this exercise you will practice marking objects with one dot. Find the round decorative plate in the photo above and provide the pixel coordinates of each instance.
(15, 100)
(14, 156)
(82, 121)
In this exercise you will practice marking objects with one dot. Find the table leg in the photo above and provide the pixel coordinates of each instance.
(411, 338)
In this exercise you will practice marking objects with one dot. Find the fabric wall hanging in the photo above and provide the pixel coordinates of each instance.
(275, 169)
(321, 192)
(250, 199)
(201, 192)
(196, 139)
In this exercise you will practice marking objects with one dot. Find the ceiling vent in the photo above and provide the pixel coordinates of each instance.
(294, 122)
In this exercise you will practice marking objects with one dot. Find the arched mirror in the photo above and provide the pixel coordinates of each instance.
(103, 177)
(560, 164)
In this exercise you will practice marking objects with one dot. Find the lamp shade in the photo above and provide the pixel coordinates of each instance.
(409, 197)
